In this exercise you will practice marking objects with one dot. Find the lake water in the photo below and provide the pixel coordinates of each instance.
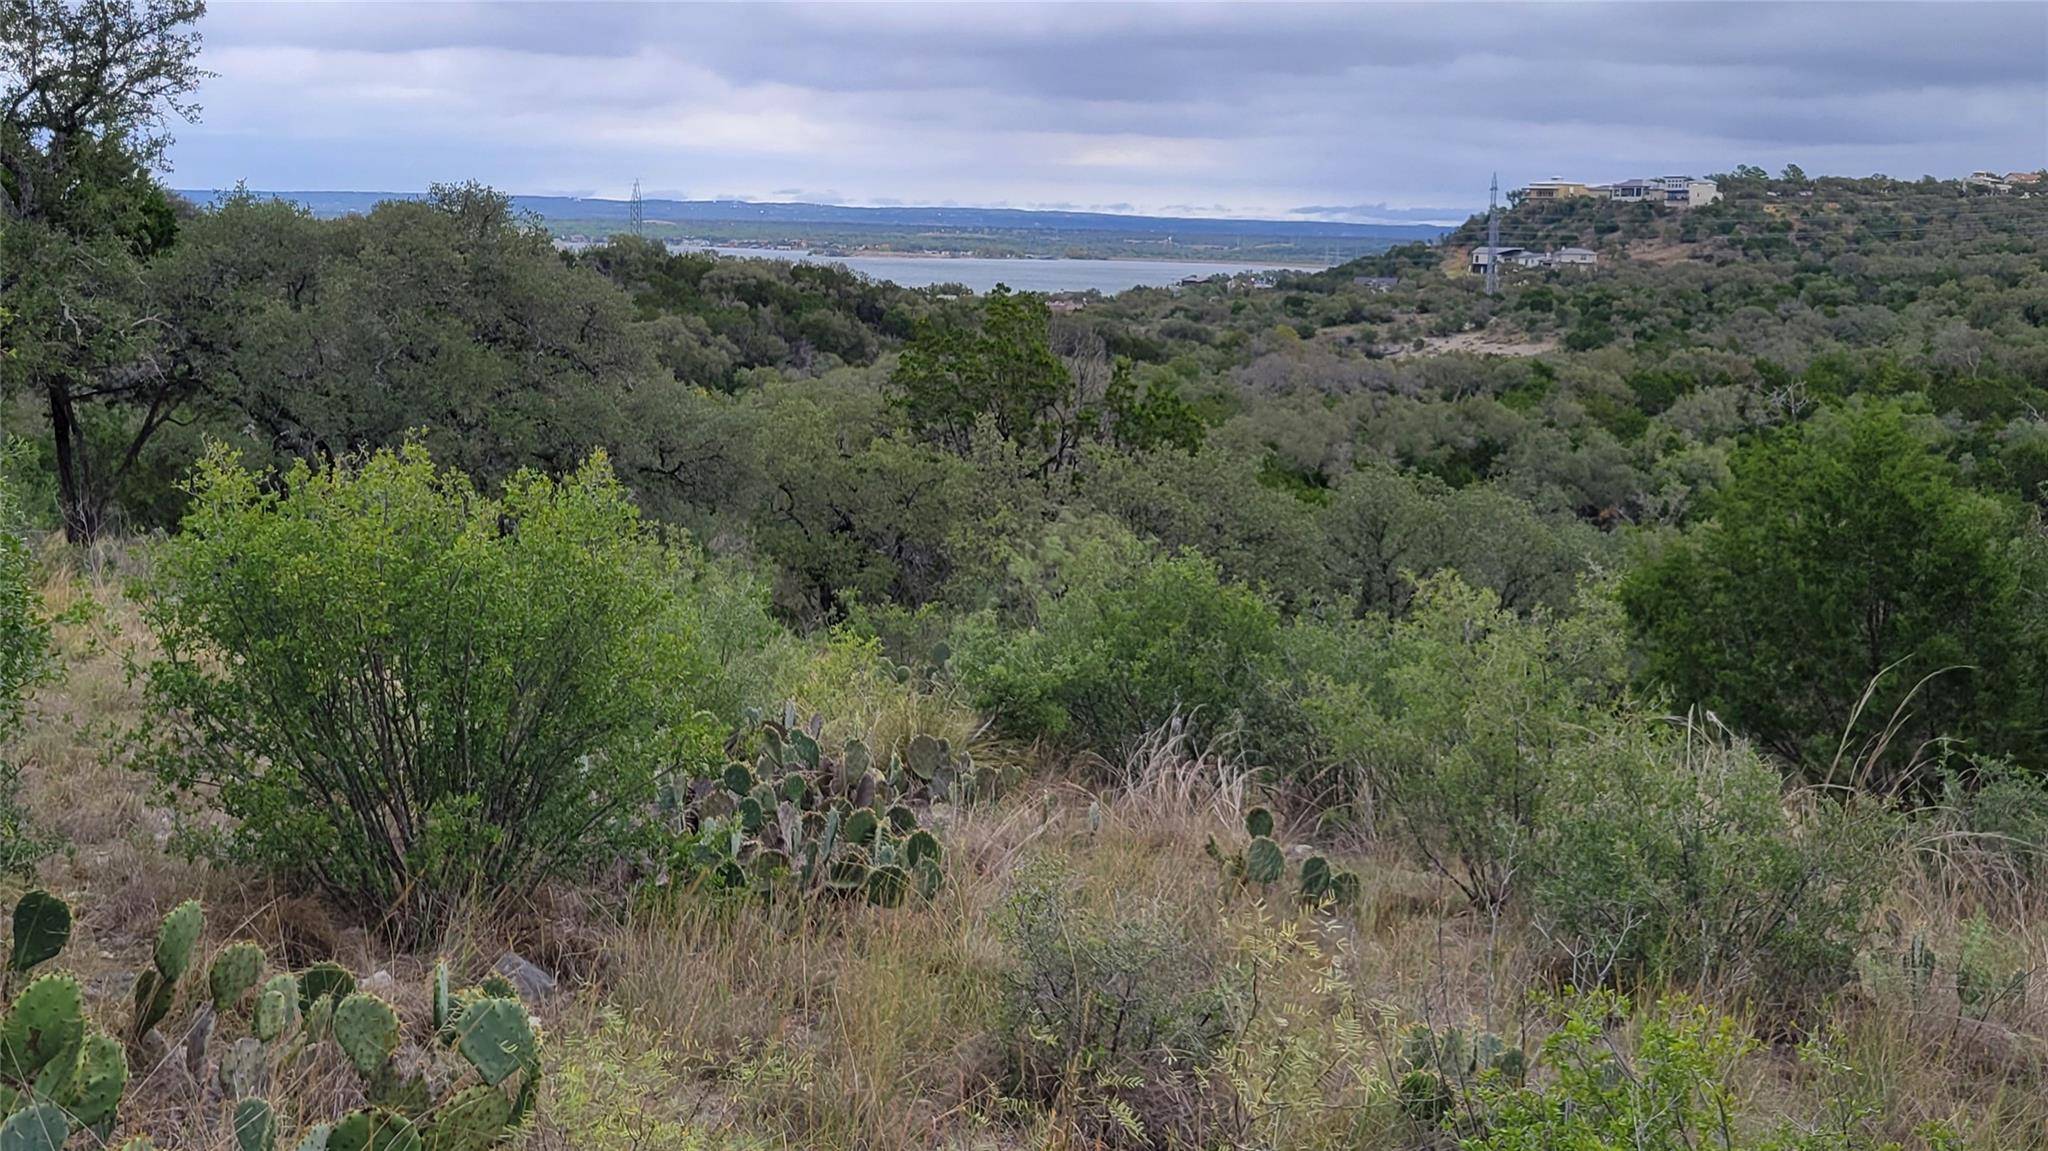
(1058, 275)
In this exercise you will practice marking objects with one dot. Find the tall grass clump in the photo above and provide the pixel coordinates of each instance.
(25, 660)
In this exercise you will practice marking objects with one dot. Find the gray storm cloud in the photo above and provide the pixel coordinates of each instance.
(1361, 110)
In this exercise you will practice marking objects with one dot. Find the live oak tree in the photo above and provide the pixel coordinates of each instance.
(86, 90)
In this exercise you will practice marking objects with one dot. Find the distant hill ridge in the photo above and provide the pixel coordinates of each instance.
(563, 209)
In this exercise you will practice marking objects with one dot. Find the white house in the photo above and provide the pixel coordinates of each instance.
(1483, 255)
(1673, 191)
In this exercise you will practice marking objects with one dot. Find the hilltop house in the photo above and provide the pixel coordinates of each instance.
(1483, 255)
(1671, 191)
(1525, 258)
(1557, 188)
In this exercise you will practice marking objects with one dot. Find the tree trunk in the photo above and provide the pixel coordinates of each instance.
(75, 502)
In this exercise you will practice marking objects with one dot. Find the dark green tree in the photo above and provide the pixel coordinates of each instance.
(86, 90)
(1845, 557)
(999, 361)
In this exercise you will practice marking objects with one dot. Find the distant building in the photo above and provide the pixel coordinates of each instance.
(1637, 192)
(1377, 283)
(1574, 258)
(1482, 256)
(1688, 192)
(1671, 191)
(1990, 181)
(1556, 188)
(2024, 177)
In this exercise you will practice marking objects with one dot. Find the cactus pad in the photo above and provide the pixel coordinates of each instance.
(860, 826)
(1258, 822)
(367, 1029)
(277, 1008)
(738, 778)
(235, 970)
(1263, 861)
(886, 886)
(45, 1022)
(805, 748)
(373, 1131)
(255, 1126)
(176, 939)
(497, 1038)
(920, 846)
(42, 925)
(242, 1068)
(1315, 879)
(857, 759)
(41, 1127)
(329, 980)
(1345, 888)
(98, 1076)
(924, 757)
(472, 1121)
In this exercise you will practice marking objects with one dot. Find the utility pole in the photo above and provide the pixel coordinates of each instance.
(1493, 238)
(636, 211)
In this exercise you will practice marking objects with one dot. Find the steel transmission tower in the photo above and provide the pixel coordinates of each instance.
(636, 211)
(1494, 236)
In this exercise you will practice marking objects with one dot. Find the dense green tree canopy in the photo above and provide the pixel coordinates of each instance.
(1848, 596)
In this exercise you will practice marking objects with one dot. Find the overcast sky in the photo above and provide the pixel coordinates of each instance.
(1360, 111)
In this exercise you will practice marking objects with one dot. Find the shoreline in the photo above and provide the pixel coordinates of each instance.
(746, 251)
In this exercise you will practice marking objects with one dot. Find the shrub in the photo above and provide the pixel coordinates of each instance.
(1845, 556)
(400, 688)
(1461, 719)
(1115, 1010)
(1124, 647)
(1669, 1087)
(25, 660)
(1664, 852)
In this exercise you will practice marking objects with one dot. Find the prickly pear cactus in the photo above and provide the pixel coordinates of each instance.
(46, 1021)
(42, 926)
(324, 980)
(93, 1082)
(366, 1028)
(1315, 879)
(372, 1131)
(805, 821)
(157, 988)
(1263, 861)
(1258, 822)
(37, 1127)
(277, 1008)
(177, 938)
(497, 1038)
(473, 1120)
(237, 968)
(255, 1126)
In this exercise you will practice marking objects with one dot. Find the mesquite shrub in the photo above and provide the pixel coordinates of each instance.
(405, 690)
